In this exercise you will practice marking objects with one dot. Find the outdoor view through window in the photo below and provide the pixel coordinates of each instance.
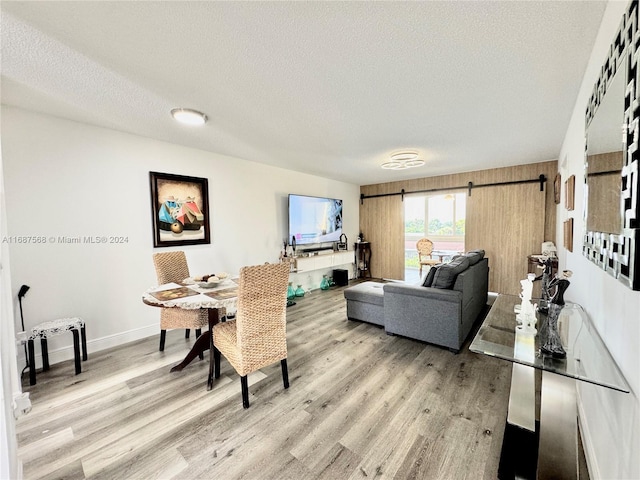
(441, 219)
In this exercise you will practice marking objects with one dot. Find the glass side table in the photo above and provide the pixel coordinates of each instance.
(587, 360)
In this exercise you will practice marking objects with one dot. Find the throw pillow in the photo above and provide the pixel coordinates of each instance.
(446, 275)
(428, 278)
(474, 257)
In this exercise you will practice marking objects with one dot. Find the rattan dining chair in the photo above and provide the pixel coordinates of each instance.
(172, 267)
(425, 247)
(257, 337)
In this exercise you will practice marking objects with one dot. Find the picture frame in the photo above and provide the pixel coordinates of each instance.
(179, 210)
(557, 185)
(569, 194)
(568, 234)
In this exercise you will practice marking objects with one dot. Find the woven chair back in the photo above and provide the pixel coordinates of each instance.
(261, 318)
(424, 246)
(171, 266)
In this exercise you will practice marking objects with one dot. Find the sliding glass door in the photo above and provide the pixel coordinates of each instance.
(441, 219)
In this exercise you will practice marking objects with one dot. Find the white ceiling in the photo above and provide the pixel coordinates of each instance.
(326, 88)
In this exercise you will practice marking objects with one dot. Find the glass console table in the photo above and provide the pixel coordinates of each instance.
(587, 360)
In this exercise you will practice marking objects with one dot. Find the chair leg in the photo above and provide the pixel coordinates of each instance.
(45, 354)
(245, 391)
(285, 372)
(186, 333)
(32, 364)
(83, 336)
(198, 333)
(76, 350)
(163, 336)
(216, 362)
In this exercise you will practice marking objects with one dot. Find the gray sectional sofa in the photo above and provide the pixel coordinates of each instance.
(442, 310)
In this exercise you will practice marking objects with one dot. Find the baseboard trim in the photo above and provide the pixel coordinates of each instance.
(587, 444)
(96, 344)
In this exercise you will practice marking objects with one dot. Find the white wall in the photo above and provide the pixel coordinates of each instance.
(67, 179)
(611, 420)
(10, 466)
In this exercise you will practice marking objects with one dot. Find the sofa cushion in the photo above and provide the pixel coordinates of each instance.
(369, 292)
(446, 274)
(479, 252)
(474, 256)
(428, 278)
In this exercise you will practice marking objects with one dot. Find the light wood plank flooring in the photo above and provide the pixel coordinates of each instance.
(361, 405)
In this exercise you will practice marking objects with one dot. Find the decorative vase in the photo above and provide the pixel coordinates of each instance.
(291, 293)
(300, 291)
(543, 306)
(550, 342)
(325, 284)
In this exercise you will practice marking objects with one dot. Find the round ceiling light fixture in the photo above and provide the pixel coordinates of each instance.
(189, 116)
(402, 161)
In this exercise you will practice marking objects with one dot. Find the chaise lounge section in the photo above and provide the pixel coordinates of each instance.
(365, 302)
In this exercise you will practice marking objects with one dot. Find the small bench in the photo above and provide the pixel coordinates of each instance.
(49, 329)
(365, 302)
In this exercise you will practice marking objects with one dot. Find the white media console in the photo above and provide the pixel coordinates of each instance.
(323, 260)
(309, 269)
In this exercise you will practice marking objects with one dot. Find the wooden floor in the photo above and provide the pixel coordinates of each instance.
(361, 405)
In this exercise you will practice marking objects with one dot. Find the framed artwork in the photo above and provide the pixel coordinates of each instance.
(569, 193)
(557, 185)
(568, 234)
(179, 210)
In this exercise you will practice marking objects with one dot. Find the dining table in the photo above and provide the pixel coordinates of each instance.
(191, 296)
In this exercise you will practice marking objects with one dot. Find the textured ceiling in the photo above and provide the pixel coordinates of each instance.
(326, 88)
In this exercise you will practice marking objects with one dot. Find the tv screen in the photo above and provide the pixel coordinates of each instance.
(314, 219)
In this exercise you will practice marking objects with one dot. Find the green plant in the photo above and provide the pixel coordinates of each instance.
(415, 225)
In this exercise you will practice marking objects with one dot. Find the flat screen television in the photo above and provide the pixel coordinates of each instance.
(314, 220)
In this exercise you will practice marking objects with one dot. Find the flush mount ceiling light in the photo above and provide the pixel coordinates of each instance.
(402, 161)
(189, 116)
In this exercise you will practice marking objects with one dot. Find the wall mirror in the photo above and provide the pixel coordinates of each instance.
(612, 124)
(605, 159)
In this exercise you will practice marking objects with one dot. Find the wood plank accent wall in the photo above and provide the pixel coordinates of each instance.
(603, 204)
(509, 222)
(382, 223)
